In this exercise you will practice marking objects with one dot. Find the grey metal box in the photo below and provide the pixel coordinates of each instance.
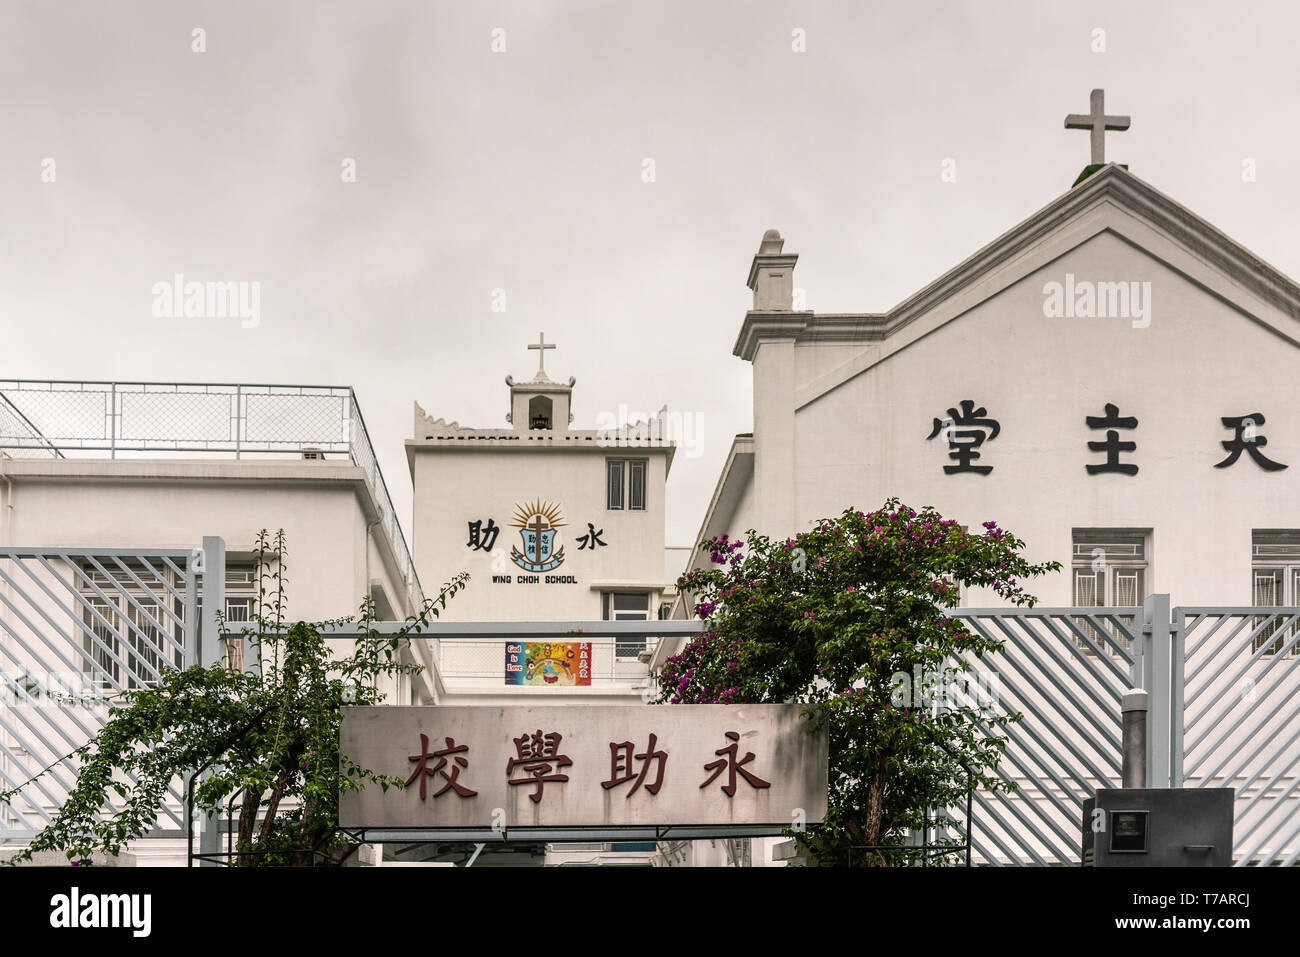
(1158, 827)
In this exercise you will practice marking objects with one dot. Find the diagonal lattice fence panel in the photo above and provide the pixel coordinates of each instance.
(78, 627)
(319, 418)
(177, 416)
(1065, 670)
(1237, 693)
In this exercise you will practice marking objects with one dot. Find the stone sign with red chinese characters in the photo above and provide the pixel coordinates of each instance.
(585, 766)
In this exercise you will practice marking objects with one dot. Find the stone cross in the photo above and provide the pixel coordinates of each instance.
(542, 345)
(1097, 122)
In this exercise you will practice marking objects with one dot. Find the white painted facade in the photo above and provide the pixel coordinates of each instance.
(337, 552)
(340, 530)
(845, 404)
(327, 509)
(614, 565)
(468, 481)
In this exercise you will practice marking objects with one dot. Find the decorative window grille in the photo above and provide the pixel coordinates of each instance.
(614, 484)
(130, 639)
(241, 598)
(636, 470)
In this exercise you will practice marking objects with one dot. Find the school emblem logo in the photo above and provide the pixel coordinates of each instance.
(537, 523)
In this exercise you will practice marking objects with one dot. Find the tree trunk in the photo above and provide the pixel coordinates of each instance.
(247, 821)
(273, 806)
(873, 812)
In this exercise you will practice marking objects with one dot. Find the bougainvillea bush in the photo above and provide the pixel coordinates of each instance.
(831, 619)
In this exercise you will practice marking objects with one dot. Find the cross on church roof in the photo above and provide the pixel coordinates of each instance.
(1097, 122)
(541, 345)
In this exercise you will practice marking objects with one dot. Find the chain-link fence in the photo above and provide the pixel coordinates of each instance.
(59, 419)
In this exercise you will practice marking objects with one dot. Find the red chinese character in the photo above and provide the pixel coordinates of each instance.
(620, 765)
(732, 766)
(536, 753)
(423, 771)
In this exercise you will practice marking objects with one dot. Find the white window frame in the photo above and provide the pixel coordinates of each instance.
(1277, 553)
(1126, 566)
(626, 649)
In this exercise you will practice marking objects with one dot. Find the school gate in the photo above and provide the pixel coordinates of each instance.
(1224, 683)
(1224, 712)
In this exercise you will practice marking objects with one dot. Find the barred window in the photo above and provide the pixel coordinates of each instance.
(130, 634)
(1109, 569)
(1275, 582)
(614, 484)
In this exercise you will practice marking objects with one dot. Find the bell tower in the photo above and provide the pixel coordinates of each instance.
(540, 404)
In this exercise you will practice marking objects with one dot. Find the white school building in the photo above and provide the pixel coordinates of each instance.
(1110, 379)
(111, 492)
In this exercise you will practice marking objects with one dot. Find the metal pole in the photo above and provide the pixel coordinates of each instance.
(1160, 649)
(1177, 679)
(1134, 746)
(193, 568)
(214, 604)
(214, 599)
(969, 833)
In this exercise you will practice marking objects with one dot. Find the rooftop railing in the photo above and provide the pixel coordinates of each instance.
(62, 419)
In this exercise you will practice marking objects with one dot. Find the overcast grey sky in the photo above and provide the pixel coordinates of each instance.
(522, 170)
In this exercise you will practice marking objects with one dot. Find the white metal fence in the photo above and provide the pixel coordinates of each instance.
(1065, 670)
(1224, 685)
(77, 628)
(1237, 691)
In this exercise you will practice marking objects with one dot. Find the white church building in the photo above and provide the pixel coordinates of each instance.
(1112, 372)
(1111, 379)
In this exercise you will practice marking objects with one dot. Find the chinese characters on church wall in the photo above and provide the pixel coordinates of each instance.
(968, 427)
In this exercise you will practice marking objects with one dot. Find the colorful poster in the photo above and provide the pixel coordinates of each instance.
(556, 664)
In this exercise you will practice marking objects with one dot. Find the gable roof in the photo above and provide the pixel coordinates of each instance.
(1112, 200)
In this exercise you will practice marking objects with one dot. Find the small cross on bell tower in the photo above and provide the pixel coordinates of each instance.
(540, 405)
(541, 345)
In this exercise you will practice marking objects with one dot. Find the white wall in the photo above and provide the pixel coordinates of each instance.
(456, 486)
(1039, 377)
(170, 504)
